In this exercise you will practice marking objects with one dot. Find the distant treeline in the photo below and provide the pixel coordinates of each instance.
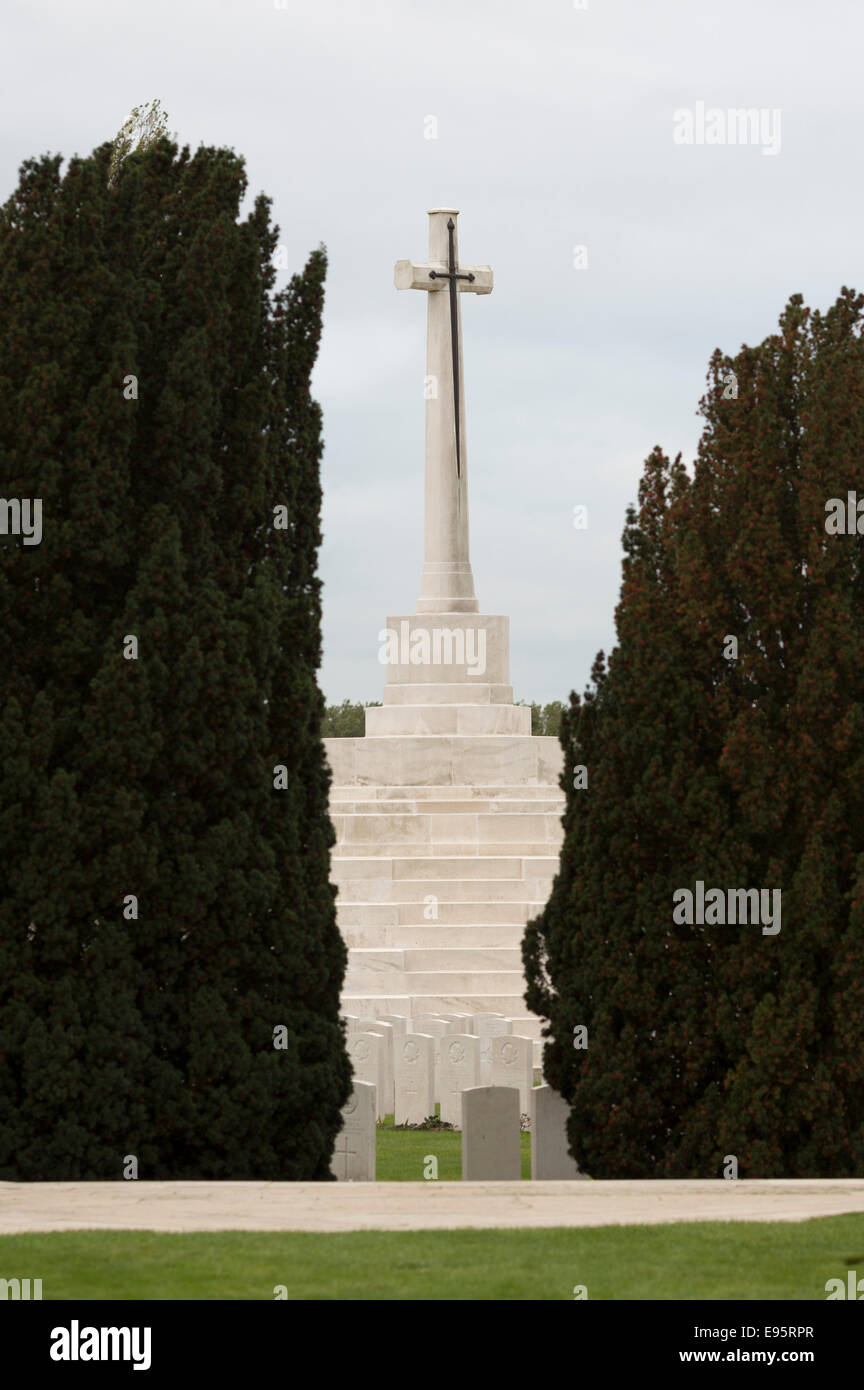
(348, 720)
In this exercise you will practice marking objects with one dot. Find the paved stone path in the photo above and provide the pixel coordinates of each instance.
(413, 1206)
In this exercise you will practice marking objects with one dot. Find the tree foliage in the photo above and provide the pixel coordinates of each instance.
(706, 1041)
(164, 901)
(144, 126)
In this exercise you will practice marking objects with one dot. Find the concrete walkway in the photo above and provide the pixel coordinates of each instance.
(413, 1206)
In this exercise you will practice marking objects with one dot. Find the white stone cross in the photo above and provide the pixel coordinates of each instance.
(448, 584)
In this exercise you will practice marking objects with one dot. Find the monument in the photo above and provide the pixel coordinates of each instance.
(447, 813)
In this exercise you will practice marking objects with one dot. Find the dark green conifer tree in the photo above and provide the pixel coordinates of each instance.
(712, 1041)
(165, 909)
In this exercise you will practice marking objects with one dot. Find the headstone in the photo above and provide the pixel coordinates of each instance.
(386, 1031)
(491, 1146)
(479, 1020)
(461, 1022)
(450, 1023)
(425, 1023)
(354, 1152)
(366, 1051)
(414, 1077)
(436, 1027)
(459, 1069)
(513, 1065)
(487, 1027)
(399, 1022)
(549, 1154)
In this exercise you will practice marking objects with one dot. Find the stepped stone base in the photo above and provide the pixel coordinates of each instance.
(502, 761)
(436, 877)
(448, 823)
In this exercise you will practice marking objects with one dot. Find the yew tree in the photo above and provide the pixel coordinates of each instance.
(723, 742)
(170, 963)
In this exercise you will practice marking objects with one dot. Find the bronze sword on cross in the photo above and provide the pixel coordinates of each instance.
(429, 276)
(447, 585)
(454, 275)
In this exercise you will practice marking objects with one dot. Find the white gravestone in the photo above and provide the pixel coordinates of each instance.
(429, 1023)
(366, 1051)
(450, 1024)
(491, 1144)
(461, 1023)
(550, 1157)
(398, 1021)
(386, 1031)
(460, 1068)
(437, 1028)
(481, 1019)
(512, 1062)
(414, 1077)
(354, 1151)
(487, 1027)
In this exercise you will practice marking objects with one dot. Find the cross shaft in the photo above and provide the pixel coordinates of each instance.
(447, 585)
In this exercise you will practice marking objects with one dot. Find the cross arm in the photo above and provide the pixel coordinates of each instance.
(414, 275)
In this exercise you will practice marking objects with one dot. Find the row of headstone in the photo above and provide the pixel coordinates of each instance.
(435, 1057)
(491, 1144)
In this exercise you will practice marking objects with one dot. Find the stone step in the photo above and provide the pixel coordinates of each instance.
(367, 915)
(469, 956)
(443, 890)
(455, 849)
(447, 792)
(452, 867)
(466, 719)
(442, 806)
(516, 829)
(485, 936)
(441, 693)
(419, 983)
(439, 760)
(467, 825)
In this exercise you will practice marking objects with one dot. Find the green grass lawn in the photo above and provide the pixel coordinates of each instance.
(400, 1154)
(698, 1260)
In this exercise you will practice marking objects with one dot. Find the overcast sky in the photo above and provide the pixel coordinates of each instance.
(554, 130)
